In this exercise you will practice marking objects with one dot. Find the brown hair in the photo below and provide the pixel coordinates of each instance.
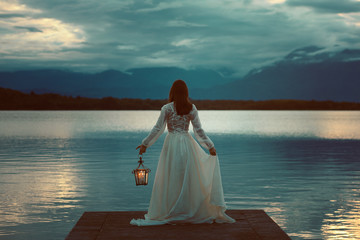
(179, 94)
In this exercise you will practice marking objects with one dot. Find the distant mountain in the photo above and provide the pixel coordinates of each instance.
(195, 78)
(135, 83)
(305, 74)
(309, 73)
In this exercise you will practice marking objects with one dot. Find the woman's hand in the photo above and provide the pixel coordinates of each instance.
(212, 151)
(142, 149)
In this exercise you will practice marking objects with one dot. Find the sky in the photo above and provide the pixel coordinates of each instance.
(229, 36)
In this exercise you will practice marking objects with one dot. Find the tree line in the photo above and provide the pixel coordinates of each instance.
(16, 100)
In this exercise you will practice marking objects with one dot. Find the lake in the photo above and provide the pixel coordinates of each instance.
(301, 167)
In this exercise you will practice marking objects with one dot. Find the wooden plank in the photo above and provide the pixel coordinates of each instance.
(250, 224)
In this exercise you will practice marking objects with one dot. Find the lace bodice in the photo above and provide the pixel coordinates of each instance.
(177, 124)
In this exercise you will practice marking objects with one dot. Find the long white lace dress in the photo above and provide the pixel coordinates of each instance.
(187, 186)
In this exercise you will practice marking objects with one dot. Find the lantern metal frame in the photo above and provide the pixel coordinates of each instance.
(141, 169)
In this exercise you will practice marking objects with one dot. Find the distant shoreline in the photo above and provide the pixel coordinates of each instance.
(16, 100)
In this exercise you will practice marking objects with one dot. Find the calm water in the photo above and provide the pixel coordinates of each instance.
(301, 167)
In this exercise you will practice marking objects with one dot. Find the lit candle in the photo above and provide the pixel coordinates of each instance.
(141, 175)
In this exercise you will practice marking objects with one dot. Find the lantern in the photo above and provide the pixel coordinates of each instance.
(141, 174)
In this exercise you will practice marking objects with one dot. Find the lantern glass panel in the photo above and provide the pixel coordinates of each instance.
(141, 177)
(141, 173)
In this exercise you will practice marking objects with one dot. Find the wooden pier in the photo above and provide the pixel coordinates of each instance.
(250, 224)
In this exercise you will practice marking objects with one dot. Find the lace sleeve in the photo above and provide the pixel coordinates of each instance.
(199, 133)
(157, 130)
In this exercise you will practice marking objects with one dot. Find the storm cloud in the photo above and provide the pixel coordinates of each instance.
(343, 6)
(30, 29)
(229, 36)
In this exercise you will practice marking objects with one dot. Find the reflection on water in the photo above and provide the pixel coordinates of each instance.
(38, 185)
(302, 168)
(344, 222)
(323, 124)
(68, 124)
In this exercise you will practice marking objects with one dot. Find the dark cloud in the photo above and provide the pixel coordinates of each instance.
(301, 53)
(234, 35)
(11, 15)
(30, 29)
(333, 6)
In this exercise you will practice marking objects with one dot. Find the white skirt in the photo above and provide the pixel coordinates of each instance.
(187, 186)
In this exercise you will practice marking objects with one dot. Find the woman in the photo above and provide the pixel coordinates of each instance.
(187, 186)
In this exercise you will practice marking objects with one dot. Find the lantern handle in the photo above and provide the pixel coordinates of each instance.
(140, 159)
(141, 163)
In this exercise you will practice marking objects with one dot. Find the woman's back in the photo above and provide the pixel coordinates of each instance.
(177, 123)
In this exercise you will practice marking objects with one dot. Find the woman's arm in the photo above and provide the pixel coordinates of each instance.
(155, 133)
(199, 133)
